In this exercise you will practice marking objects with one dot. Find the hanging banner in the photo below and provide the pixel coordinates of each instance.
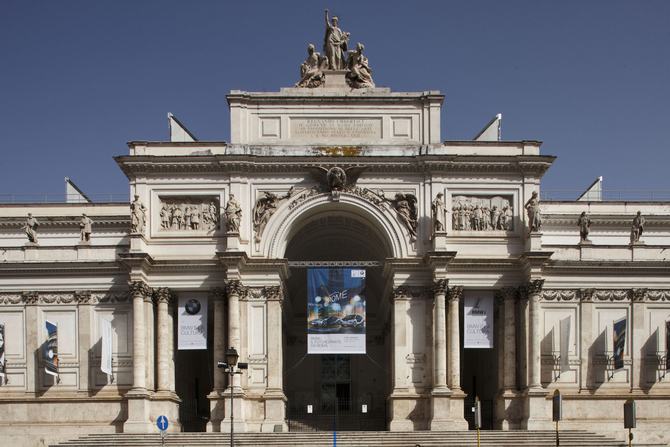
(667, 345)
(336, 311)
(565, 344)
(192, 324)
(478, 323)
(106, 355)
(51, 351)
(2, 350)
(619, 342)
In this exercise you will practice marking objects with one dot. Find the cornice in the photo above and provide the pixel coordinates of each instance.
(133, 164)
(63, 268)
(601, 268)
(607, 220)
(66, 222)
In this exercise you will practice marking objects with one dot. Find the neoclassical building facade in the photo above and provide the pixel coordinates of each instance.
(331, 175)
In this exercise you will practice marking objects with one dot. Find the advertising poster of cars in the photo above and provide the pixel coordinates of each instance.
(336, 311)
(2, 350)
(478, 309)
(192, 321)
(106, 354)
(619, 342)
(51, 351)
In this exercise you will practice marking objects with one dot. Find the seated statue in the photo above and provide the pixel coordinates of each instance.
(359, 71)
(311, 71)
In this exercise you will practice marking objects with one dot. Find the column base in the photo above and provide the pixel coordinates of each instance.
(509, 410)
(537, 410)
(440, 410)
(139, 412)
(239, 418)
(216, 411)
(275, 405)
(409, 411)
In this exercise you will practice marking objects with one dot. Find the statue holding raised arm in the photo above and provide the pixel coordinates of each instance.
(335, 44)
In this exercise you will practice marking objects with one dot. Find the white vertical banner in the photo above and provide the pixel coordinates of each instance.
(2, 350)
(565, 344)
(192, 322)
(478, 324)
(106, 354)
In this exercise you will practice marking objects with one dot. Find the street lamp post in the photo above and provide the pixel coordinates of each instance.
(229, 368)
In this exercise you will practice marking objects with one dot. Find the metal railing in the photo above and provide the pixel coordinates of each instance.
(337, 414)
(64, 198)
(608, 195)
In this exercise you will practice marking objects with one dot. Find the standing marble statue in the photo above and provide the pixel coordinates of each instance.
(533, 209)
(584, 223)
(359, 70)
(31, 227)
(233, 214)
(637, 228)
(137, 216)
(335, 44)
(439, 213)
(85, 226)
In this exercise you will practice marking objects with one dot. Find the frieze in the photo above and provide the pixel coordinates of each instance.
(657, 295)
(31, 297)
(409, 292)
(179, 213)
(82, 296)
(611, 295)
(110, 297)
(58, 298)
(482, 213)
(11, 298)
(559, 295)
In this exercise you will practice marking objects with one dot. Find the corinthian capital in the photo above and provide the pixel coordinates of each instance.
(455, 293)
(162, 295)
(274, 293)
(234, 287)
(534, 287)
(139, 289)
(440, 286)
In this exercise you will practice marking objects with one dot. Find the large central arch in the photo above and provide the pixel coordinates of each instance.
(346, 231)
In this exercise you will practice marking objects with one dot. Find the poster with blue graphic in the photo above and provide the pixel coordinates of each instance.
(51, 349)
(192, 321)
(336, 311)
(619, 342)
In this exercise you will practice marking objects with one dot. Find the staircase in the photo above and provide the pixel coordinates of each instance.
(568, 438)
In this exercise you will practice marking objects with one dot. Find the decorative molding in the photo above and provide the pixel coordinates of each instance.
(31, 297)
(409, 292)
(188, 213)
(82, 296)
(612, 295)
(482, 213)
(656, 295)
(58, 298)
(560, 295)
(110, 297)
(354, 264)
(534, 287)
(11, 298)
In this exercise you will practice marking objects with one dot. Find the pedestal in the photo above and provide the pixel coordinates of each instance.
(509, 410)
(275, 404)
(239, 421)
(233, 241)
(534, 242)
(537, 410)
(216, 412)
(138, 243)
(139, 411)
(440, 241)
(440, 411)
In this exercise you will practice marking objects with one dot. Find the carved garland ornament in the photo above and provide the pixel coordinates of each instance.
(77, 297)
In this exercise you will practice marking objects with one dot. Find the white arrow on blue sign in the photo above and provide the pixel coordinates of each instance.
(162, 423)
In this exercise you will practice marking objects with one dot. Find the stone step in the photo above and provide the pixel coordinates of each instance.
(568, 438)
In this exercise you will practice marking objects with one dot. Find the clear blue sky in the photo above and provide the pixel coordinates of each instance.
(591, 79)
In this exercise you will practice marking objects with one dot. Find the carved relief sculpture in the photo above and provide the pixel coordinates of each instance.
(584, 223)
(265, 207)
(31, 226)
(190, 213)
(137, 216)
(637, 228)
(334, 44)
(405, 206)
(481, 213)
(85, 227)
(439, 212)
(359, 70)
(534, 216)
(311, 71)
(233, 214)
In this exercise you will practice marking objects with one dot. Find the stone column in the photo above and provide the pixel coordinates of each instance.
(400, 400)
(455, 296)
(507, 402)
(440, 396)
(138, 397)
(163, 342)
(33, 342)
(172, 309)
(586, 336)
(636, 327)
(234, 289)
(83, 299)
(274, 395)
(509, 295)
(149, 331)
(216, 397)
(534, 289)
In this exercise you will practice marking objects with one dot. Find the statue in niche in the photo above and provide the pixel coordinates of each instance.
(534, 216)
(265, 207)
(233, 214)
(311, 71)
(584, 223)
(137, 216)
(439, 212)
(334, 44)
(85, 227)
(31, 228)
(359, 70)
(637, 228)
(405, 206)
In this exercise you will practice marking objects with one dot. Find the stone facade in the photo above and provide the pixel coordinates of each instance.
(374, 211)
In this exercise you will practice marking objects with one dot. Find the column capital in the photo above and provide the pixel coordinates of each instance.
(274, 293)
(162, 295)
(82, 296)
(234, 287)
(440, 286)
(507, 293)
(139, 289)
(455, 293)
(32, 297)
(534, 287)
(218, 294)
